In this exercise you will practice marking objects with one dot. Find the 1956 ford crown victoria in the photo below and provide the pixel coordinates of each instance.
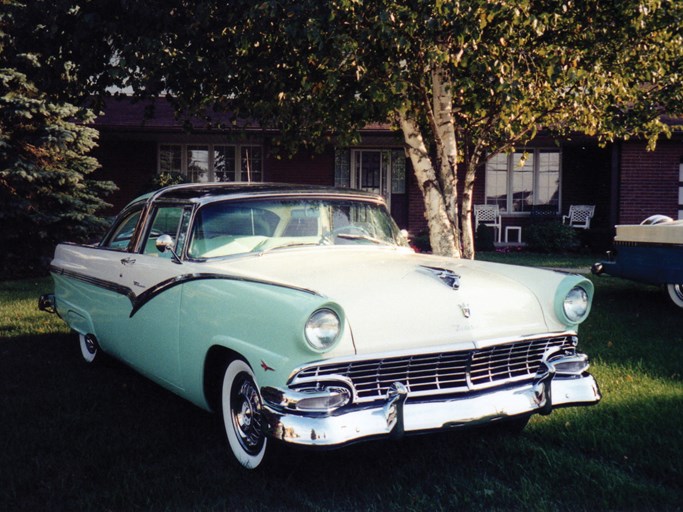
(301, 314)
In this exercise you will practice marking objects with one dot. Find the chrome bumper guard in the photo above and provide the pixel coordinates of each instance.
(561, 382)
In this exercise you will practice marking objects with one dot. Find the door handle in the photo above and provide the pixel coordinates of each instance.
(127, 261)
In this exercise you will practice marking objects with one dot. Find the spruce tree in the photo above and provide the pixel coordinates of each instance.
(46, 195)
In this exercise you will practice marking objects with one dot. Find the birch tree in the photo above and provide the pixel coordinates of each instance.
(462, 80)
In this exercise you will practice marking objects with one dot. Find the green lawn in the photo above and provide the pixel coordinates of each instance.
(79, 438)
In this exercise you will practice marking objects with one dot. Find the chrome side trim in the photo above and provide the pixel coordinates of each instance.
(138, 301)
(100, 283)
(157, 289)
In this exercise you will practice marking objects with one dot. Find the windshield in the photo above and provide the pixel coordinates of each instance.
(238, 227)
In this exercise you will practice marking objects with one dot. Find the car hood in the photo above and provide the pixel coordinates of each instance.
(395, 299)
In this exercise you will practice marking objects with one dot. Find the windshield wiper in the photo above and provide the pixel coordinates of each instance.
(351, 236)
(285, 246)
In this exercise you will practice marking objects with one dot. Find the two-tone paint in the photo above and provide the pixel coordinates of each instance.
(176, 320)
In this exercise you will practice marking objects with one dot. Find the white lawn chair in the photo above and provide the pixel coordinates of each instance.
(488, 215)
(579, 216)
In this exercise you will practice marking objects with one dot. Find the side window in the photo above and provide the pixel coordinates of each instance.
(166, 222)
(120, 236)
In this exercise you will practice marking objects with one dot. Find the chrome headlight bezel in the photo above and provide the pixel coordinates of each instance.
(323, 330)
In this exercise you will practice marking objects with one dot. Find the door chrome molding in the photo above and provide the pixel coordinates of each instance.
(95, 281)
(138, 301)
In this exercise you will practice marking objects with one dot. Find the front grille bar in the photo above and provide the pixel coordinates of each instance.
(444, 372)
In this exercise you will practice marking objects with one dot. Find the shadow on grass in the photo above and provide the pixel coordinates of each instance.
(636, 326)
(81, 438)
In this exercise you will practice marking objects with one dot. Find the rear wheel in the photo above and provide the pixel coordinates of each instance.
(675, 292)
(241, 408)
(90, 350)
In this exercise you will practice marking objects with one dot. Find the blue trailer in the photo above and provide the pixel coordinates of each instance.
(651, 252)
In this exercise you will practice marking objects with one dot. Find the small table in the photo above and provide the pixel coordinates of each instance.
(518, 230)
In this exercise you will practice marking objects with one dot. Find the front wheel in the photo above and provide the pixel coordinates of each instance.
(241, 407)
(675, 294)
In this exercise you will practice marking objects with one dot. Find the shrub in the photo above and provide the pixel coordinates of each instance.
(484, 239)
(420, 242)
(550, 237)
(164, 179)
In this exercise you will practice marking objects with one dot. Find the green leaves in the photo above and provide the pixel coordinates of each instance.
(319, 71)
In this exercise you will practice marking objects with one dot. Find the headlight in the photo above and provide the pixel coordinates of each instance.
(576, 304)
(322, 329)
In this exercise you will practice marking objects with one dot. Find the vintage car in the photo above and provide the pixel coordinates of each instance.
(301, 314)
(650, 252)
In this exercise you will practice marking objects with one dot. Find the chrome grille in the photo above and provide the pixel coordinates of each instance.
(444, 372)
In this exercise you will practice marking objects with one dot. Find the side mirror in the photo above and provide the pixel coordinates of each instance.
(165, 243)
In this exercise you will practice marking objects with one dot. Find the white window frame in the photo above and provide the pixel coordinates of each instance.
(211, 176)
(510, 158)
(388, 185)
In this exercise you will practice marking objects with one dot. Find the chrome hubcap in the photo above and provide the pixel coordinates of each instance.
(678, 290)
(246, 414)
(90, 345)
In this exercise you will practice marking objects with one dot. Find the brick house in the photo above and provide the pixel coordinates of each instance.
(625, 182)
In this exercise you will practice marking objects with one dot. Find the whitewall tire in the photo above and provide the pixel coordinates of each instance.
(90, 350)
(675, 292)
(241, 409)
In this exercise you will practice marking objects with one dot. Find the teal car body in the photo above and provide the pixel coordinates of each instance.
(300, 314)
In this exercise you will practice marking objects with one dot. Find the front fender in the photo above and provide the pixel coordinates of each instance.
(263, 323)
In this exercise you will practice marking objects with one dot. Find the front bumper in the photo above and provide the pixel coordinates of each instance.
(398, 415)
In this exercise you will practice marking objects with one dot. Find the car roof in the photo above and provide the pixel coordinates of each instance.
(207, 192)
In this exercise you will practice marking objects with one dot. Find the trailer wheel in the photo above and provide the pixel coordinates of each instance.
(675, 292)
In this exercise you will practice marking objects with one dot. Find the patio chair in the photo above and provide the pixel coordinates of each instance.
(488, 215)
(579, 216)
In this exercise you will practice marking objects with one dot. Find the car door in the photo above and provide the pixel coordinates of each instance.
(146, 334)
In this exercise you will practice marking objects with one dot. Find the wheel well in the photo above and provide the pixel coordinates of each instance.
(216, 360)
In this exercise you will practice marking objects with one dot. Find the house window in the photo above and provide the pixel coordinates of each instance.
(520, 180)
(382, 171)
(197, 169)
(204, 163)
(170, 158)
(250, 163)
(224, 163)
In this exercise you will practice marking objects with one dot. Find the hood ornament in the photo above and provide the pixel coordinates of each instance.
(448, 277)
(466, 311)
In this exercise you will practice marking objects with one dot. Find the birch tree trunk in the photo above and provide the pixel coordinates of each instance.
(447, 153)
(466, 211)
(439, 184)
(443, 234)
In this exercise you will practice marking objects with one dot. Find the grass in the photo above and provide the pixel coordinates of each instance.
(539, 260)
(79, 438)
